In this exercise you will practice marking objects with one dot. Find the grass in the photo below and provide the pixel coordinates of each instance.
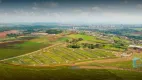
(126, 75)
(63, 39)
(87, 38)
(9, 72)
(110, 47)
(19, 49)
(122, 64)
(14, 49)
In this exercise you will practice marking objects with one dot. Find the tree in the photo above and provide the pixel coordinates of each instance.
(80, 39)
(91, 46)
(74, 46)
(12, 35)
(99, 45)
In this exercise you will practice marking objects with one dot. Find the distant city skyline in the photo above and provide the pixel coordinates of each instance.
(72, 11)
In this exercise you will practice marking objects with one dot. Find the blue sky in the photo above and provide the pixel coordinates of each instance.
(66, 11)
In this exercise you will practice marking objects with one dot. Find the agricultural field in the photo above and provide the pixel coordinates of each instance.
(22, 46)
(58, 53)
(51, 54)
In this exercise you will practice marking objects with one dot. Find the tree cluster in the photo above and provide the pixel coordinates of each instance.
(74, 40)
(54, 31)
(92, 46)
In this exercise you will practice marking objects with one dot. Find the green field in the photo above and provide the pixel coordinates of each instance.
(9, 72)
(16, 48)
(120, 64)
(37, 59)
(19, 49)
(87, 38)
(60, 55)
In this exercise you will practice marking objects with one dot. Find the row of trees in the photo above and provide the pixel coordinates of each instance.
(86, 45)
(73, 46)
(12, 35)
(92, 46)
(74, 40)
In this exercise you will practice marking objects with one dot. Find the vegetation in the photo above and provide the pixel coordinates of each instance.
(12, 35)
(62, 73)
(54, 31)
(38, 57)
(129, 32)
(18, 48)
(60, 55)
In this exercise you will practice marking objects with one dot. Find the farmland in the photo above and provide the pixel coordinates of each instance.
(35, 52)
(50, 54)
(60, 55)
(19, 47)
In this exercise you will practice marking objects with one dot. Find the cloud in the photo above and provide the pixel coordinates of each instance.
(51, 4)
(77, 10)
(139, 6)
(35, 8)
(122, 17)
(35, 4)
(97, 9)
(125, 2)
(0, 1)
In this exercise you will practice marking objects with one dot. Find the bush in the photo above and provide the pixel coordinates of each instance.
(74, 46)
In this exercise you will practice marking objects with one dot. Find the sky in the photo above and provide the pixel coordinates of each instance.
(72, 11)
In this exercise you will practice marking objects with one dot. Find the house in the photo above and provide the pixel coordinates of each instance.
(39, 34)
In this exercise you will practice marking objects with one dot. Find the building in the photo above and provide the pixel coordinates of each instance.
(3, 34)
(39, 34)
